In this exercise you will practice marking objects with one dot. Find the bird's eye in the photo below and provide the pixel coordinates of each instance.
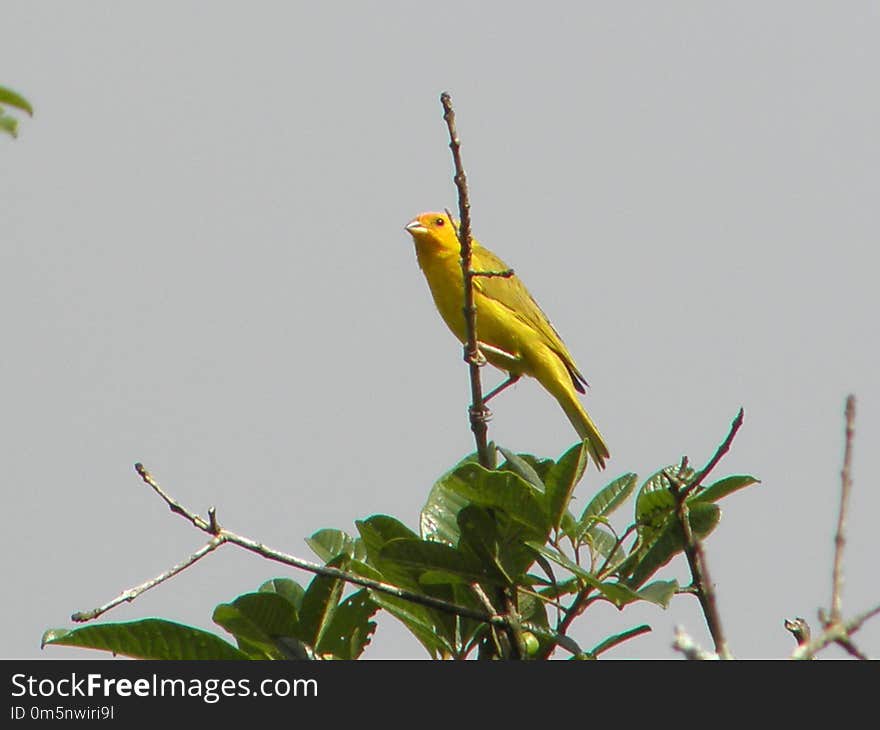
(439, 221)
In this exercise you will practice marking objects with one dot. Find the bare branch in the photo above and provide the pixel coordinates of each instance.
(174, 505)
(845, 489)
(691, 650)
(132, 593)
(835, 629)
(701, 582)
(479, 413)
(719, 453)
(799, 628)
(834, 632)
(221, 536)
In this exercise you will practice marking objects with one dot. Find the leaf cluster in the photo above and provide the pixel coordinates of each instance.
(500, 542)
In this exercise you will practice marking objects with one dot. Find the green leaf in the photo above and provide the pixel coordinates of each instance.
(616, 640)
(601, 542)
(439, 517)
(564, 587)
(364, 569)
(150, 638)
(427, 625)
(561, 480)
(328, 543)
(419, 620)
(375, 532)
(655, 507)
(8, 124)
(11, 98)
(665, 541)
(618, 593)
(569, 526)
(654, 496)
(423, 555)
(497, 542)
(350, 628)
(540, 464)
(502, 490)
(260, 622)
(320, 603)
(436, 630)
(289, 589)
(479, 536)
(660, 592)
(725, 486)
(608, 499)
(525, 466)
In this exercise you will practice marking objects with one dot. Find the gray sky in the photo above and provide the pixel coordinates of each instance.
(203, 267)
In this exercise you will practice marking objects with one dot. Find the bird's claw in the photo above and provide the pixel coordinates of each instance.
(475, 358)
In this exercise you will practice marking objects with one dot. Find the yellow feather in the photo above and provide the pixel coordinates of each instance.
(520, 338)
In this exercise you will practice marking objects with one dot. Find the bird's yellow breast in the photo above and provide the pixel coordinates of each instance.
(512, 331)
(496, 325)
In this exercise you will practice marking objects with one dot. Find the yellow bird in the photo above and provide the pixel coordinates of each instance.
(513, 333)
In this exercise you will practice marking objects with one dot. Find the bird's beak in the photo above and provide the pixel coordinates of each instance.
(414, 226)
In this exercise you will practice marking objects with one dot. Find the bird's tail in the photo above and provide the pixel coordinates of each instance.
(554, 375)
(585, 427)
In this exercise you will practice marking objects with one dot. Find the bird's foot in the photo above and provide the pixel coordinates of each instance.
(475, 358)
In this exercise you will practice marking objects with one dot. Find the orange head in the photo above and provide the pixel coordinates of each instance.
(434, 227)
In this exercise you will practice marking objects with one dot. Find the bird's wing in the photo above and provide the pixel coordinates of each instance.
(512, 294)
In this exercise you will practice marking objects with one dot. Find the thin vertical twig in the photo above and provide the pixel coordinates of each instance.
(693, 547)
(834, 629)
(720, 452)
(845, 489)
(479, 413)
(705, 589)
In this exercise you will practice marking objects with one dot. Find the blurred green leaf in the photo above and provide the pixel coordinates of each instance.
(150, 638)
(660, 592)
(725, 486)
(562, 479)
(8, 124)
(11, 98)
(569, 526)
